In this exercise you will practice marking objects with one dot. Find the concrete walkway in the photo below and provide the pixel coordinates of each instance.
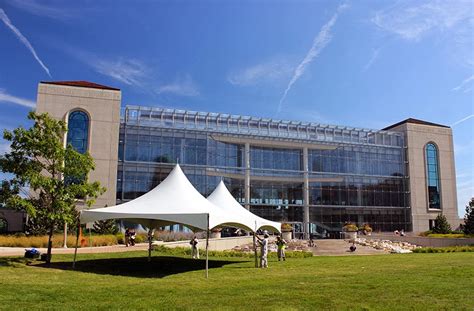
(323, 248)
(341, 248)
(20, 251)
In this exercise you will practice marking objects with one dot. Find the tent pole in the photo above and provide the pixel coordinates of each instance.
(149, 244)
(77, 243)
(207, 248)
(255, 245)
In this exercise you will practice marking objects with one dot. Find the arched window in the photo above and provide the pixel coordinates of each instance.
(432, 176)
(78, 131)
(3, 225)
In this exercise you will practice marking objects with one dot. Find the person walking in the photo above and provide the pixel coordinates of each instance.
(263, 250)
(127, 237)
(281, 245)
(194, 248)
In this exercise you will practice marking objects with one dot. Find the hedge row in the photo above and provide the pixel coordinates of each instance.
(58, 240)
(449, 249)
(186, 251)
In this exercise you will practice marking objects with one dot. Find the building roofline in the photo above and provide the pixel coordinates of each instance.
(255, 126)
(414, 121)
(85, 84)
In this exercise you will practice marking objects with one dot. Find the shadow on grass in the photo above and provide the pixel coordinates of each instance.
(159, 267)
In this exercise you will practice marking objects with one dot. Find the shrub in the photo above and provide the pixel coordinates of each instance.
(286, 227)
(42, 241)
(366, 228)
(426, 233)
(186, 251)
(441, 225)
(350, 227)
(468, 227)
(120, 238)
(449, 249)
(105, 226)
(449, 235)
(141, 238)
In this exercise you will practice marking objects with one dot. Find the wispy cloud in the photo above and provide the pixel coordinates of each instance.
(7, 98)
(375, 55)
(42, 9)
(451, 22)
(319, 43)
(411, 20)
(135, 73)
(21, 37)
(128, 71)
(181, 86)
(465, 84)
(463, 119)
(270, 71)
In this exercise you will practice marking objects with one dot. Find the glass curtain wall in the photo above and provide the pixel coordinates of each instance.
(361, 183)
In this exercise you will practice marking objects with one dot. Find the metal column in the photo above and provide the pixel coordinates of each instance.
(247, 175)
(306, 193)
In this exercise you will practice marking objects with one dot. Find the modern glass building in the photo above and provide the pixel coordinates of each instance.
(316, 176)
(286, 171)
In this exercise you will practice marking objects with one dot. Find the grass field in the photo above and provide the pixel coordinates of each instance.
(127, 281)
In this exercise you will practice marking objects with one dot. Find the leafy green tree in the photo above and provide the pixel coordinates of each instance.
(105, 226)
(48, 178)
(468, 227)
(441, 225)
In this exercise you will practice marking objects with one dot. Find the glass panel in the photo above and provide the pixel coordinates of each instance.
(432, 177)
(78, 131)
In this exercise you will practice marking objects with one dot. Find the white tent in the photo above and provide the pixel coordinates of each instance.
(223, 199)
(174, 200)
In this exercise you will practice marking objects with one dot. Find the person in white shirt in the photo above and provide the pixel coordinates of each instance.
(194, 249)
(264, 250)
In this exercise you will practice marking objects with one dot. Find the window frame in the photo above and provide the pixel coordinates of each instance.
(427, 176)
(88, 137)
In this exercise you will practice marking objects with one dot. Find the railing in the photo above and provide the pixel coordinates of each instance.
(253, 126)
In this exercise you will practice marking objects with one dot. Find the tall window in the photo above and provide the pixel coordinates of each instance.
(78, 131)
(432, 174)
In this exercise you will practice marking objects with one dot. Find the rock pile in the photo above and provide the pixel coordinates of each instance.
(388, 246)
(292, 245)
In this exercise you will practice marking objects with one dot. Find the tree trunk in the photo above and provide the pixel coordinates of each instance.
(50, 244)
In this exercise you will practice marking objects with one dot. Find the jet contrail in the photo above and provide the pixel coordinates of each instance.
(463, 119)
(319, 43)
(21, 37)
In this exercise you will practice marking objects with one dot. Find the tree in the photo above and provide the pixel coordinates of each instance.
(105, 227)
(441, 225)
(48, 178)
(468, 227)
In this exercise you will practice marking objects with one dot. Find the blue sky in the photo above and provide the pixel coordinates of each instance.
(358, 63)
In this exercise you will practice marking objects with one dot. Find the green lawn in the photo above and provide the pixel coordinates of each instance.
(127, 281)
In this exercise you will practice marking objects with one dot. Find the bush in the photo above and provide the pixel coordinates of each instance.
(286, 227)
(186, 251)
(42, 241)
(366, 228)
(468, 227)
(141, 238)
(350, 227)
(106, 226)
(120, 238)
(441, 225)
(426, 233)
(449, 249)
(449, 235)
